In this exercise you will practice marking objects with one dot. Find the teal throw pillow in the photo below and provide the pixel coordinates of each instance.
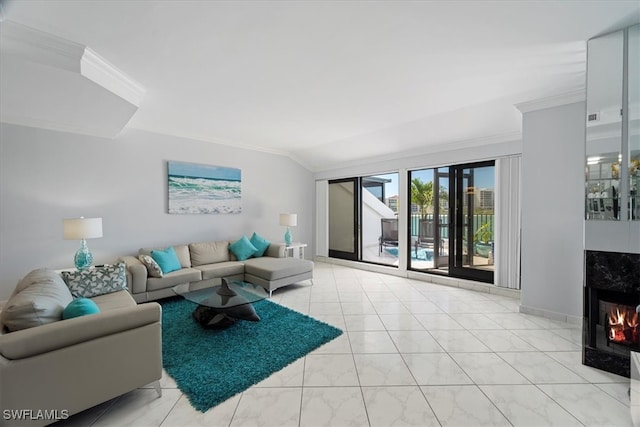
(167, 260)
(260, 243)
(80, 307)
(242, 248)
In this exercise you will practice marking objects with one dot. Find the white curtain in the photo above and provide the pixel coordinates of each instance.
(507, 233)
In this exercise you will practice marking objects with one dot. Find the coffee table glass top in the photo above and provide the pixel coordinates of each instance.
(237, 293)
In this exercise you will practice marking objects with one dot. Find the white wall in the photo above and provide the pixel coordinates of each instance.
(553, 211)
(46, 176)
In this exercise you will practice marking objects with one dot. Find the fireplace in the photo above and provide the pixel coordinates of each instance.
(611, 295)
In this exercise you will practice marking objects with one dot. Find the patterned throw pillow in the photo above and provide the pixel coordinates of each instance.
(152, 266)
(96, 281)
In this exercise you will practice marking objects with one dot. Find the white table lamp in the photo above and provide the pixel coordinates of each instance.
(288, 220)
(81, 229)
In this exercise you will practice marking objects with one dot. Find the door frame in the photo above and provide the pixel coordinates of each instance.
(457, 226)
(355, 255)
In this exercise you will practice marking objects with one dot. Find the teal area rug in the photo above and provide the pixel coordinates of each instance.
(210, 366)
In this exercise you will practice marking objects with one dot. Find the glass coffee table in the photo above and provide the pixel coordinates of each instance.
(223, 305)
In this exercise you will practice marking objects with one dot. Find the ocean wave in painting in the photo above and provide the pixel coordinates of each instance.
(203, 195)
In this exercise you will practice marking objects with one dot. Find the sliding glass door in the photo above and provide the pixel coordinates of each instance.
(343, 219)
(363, 219)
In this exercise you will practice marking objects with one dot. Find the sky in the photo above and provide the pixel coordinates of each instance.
(484, 178)
(204, 171)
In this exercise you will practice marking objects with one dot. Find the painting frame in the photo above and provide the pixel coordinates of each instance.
(196, 188)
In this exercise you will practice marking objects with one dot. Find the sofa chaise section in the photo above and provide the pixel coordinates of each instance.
(274, 273)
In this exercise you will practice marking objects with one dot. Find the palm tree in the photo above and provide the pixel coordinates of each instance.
(422, 195)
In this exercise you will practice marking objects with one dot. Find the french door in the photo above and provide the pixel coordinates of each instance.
(451, 220)
(471, 223)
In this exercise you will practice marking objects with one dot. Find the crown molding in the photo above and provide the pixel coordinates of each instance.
(208, 139)
(39, 123)
(53, 83)
(552, 101)
(99, 70)
(37, 46)
(53, 51)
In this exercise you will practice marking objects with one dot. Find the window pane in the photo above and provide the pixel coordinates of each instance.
(423, 221)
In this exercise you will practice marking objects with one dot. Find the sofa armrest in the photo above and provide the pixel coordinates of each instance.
(136, 274)
(65, 333)
(276, 250)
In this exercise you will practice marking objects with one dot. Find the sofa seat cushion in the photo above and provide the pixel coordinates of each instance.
(114, 300)
(221, 269)
(40, 298)
(277, 268)
(184, 275)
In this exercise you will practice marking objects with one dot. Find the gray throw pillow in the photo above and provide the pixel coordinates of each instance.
(96, 281)
(40, 298)
(153, 268)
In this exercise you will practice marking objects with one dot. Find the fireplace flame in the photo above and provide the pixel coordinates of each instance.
(623, 325)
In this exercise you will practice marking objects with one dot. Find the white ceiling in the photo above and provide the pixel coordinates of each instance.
(331, 82)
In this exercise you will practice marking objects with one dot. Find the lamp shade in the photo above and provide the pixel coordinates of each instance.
(82, 228)
(288, 219)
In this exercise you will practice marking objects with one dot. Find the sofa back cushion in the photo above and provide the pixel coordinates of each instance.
(209, 252)
(40, 298)
(182, 251)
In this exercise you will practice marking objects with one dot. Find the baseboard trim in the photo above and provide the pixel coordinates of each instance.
(574, 320)
(425, 277)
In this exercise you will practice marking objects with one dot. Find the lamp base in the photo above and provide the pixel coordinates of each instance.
(83, 258)
(287, 237)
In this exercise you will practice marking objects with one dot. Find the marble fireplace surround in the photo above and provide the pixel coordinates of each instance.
(612, 277)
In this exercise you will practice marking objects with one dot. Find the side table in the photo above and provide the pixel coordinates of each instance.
(295, 250)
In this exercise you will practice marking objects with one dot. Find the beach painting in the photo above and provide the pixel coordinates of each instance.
(203, 189)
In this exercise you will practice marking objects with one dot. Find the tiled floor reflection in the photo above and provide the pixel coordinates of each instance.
(413, 354)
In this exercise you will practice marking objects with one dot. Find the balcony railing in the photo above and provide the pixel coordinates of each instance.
(478, 221)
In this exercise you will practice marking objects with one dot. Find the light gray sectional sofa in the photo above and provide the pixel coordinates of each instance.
(205, 263)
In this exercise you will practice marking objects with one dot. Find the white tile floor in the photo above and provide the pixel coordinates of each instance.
(413, 354)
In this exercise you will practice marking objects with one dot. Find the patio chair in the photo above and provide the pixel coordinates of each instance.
(389, 235)
(426, 235)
